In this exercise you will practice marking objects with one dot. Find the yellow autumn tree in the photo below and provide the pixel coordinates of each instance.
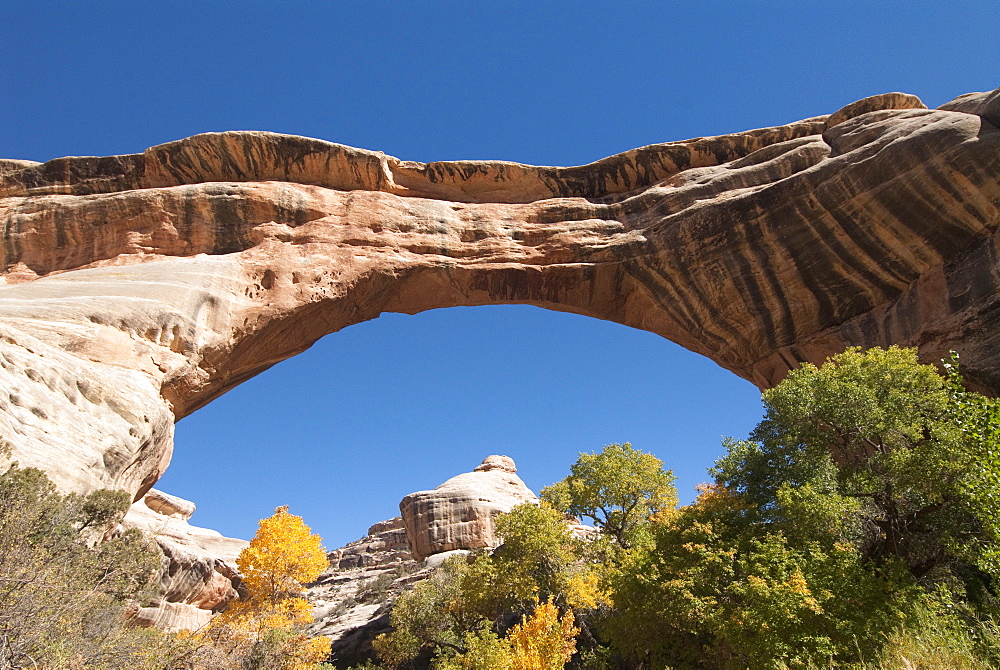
(268, 622)
(543, 641)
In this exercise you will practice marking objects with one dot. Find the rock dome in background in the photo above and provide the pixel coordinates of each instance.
(354, 596)
(459, 513)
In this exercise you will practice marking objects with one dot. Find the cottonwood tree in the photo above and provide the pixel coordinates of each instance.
(917, 453)
(543, 640)
(265, 629)
(861, 514)
(619, 489)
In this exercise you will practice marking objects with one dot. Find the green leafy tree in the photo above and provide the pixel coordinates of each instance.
(860, 514)
(619, 489)
(545, 640)
(433, 619)
(485, 650)
(912, 448)
(457, 617)
(712, 590)
(537, 560)
(67, 583)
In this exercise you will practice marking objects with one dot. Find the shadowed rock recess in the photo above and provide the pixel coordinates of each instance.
(137, 288)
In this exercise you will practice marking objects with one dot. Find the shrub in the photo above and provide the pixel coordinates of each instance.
(67, 585)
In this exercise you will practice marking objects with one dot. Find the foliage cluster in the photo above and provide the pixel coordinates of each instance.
(64, 598)
(534, 600)
(510, 609)
(266, 629)
(70, 580)
(858, 527)
(860, 515)
(619, 489)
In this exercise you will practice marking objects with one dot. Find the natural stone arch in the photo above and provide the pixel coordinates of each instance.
(140, 287)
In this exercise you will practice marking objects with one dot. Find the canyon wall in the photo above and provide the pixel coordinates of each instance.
(137, 288)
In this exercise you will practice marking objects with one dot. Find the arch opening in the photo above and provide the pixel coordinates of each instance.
(383, 408)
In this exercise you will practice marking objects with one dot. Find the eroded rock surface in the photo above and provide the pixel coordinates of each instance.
(459, 513)
(384, 544)
(352, 599)
(199, 575)
(137, 288)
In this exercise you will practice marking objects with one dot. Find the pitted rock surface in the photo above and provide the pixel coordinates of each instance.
(135, 289)
(503, 463)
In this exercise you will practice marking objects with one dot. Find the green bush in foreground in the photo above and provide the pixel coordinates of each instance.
(64, 596)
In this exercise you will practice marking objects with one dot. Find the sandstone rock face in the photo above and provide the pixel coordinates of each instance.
(385, 544)
(459, 513)
(352, 599)
(134, 289)
(198, 577)
(167, 505)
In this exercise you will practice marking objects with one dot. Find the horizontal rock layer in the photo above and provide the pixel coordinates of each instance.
(138, 288)
(352, 599)
(384, 544)
(198, 576)
(459, 513)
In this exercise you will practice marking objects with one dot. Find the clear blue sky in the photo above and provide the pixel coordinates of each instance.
(401, 403)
